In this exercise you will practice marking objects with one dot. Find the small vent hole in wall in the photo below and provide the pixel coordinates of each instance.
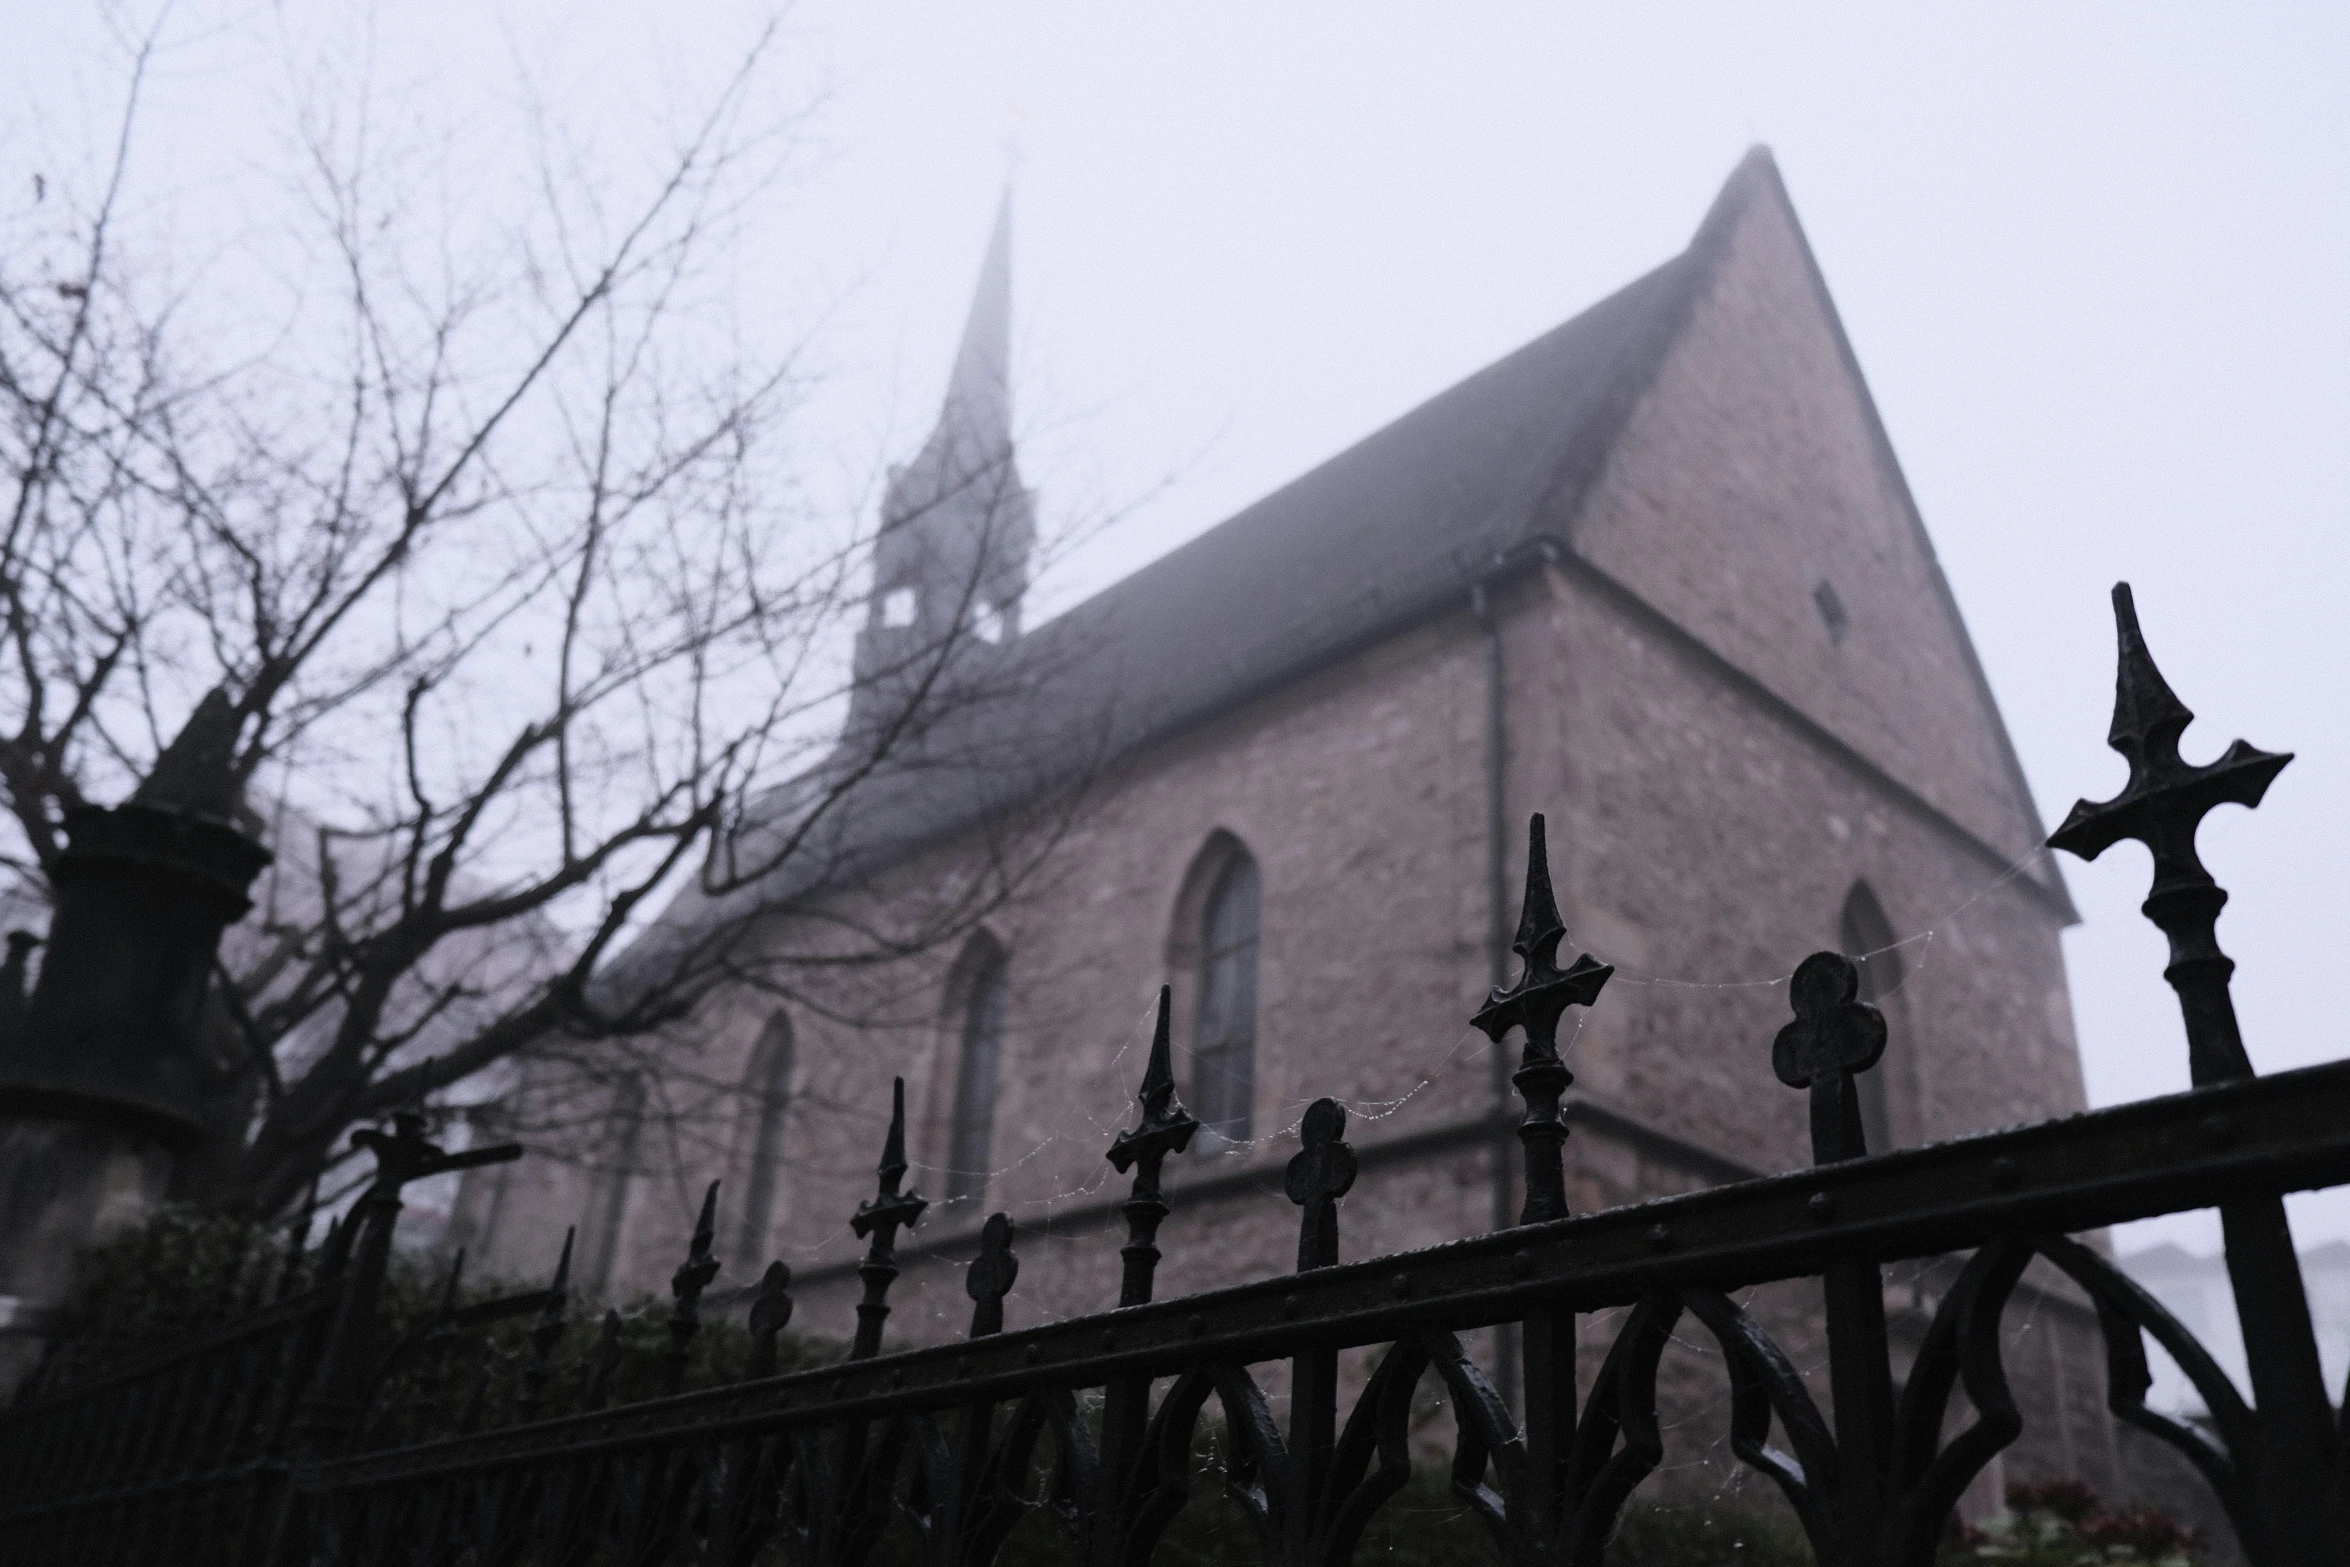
(1832, 611)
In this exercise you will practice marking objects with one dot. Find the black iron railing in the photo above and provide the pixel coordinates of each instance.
(297, 1427)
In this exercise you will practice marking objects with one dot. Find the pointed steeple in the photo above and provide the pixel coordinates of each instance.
(975, 422)
(951, 563)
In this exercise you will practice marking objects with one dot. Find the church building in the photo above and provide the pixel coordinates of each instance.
(1656, 575)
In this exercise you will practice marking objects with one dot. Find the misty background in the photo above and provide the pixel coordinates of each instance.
(2091, 257)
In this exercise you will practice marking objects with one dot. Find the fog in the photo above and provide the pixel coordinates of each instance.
(2091, 259)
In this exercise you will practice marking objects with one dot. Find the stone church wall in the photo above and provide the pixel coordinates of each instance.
(1722, 758)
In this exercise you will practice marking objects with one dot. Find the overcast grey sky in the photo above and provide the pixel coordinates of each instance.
(2093, 259)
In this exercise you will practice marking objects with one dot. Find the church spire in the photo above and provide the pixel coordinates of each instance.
(951, 563)
(977, 415)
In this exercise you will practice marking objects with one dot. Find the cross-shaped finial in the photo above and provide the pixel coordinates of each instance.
(547, 1332)
(989, 1278)
(1317, 1177)
(2166, 798)
(881, 1218)
(1542, 993)
(691, 1278)
(888, 1209)
(1543, 990)
(1835, 1037)
(2162, 806)
(405, 1154)
(1166, 1126)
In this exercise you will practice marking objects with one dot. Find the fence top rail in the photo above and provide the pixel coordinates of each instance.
(318, 1301)
(2276, 1134)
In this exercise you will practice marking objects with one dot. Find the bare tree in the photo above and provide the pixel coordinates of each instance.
(492, 563)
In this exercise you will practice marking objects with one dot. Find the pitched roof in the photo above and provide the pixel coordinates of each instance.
(1408, 517)
(1375, 538)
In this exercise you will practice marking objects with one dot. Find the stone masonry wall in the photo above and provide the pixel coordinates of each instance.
(1714, 761)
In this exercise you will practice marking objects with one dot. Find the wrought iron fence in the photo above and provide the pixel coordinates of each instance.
(292, 1436)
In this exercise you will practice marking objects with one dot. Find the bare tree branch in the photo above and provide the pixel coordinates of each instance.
(496, 560)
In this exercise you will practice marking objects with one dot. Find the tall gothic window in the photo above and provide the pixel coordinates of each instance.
(1868, 940)
(610, 1202)
(986, 977)
(1224, 1051)
(767, 1096)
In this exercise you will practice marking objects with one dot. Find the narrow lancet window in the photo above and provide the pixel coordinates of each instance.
(1224, 1051)
(767, 1099)
(984, 993)
(609, 1210)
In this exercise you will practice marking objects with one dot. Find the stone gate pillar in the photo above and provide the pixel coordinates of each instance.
(103, 1074)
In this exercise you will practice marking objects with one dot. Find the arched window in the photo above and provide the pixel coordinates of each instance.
(1868, 939)
(767, 1096)
(1224, 1046)
(610, 1202)
(985, 981)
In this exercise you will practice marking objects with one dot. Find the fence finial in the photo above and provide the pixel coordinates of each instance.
(770, 1315)
(686, 1285)
(880, 1218)
(1317, 1177)
(2163, 806)
(546, 1333)
(1535, 1003)
(1166, 1128)
(991, 1274)
(1834, 1038)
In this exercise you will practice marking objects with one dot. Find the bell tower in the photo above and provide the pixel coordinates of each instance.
(951, 563)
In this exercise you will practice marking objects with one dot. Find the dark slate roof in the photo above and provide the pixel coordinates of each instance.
(1396, 526)
(1406, 518)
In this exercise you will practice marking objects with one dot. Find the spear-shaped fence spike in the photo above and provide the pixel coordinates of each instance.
(1540, 928)
(1541, 994)
(2145, 708)
(686, 1285)
(546, 1333)
(879, 1220)
(1166, 1128)
(770, 1315)
(991, 1274)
